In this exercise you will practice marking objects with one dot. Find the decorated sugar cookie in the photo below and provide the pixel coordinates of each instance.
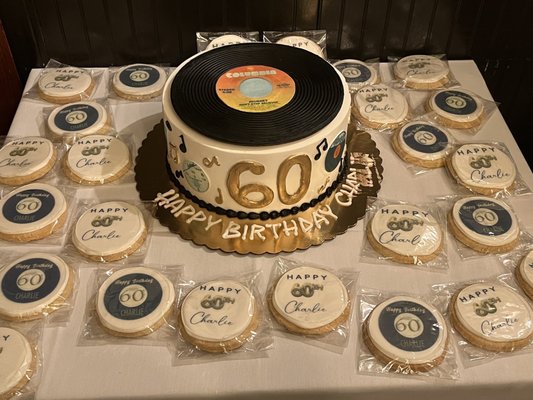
(96, 160)
(109, 231)
(482, 168)
(357, 73)
(406, 332)
(25, 160)
(422, 144)
(134, 301)
(405, 233)
(65, 85)
(492, 316)
(139, 81)
(524, 274)
(308, 300)
(422, 72)
(302, 43)
(225, 40)
(75, 120)
(33, 286)
(457, 108)
(32, 212)
(16, 362)
(218, 316)
(484, 224)
(380, 107)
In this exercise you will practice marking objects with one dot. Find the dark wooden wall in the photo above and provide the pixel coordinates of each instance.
(495, 33)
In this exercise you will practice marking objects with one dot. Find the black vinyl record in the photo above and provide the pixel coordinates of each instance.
(316, 100)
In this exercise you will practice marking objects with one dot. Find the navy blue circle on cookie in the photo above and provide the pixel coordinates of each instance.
(139, 76)
(363, 72)
(335, 152)
(76, 117)
(10, 282)
(431, 329)
(25, 201)
(409, 138)
(113, 304)
(443, 98)
(502, 226)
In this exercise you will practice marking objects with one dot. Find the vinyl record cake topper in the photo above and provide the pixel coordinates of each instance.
(257, 94)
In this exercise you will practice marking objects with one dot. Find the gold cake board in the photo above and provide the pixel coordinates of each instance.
(312, 227)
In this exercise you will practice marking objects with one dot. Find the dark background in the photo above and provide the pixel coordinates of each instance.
(497, 34)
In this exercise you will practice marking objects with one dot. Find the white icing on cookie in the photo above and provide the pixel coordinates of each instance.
(302, 43)
(77, 119)
(217, 311)
(225, 40)
(424, 141)
(381, 104)
(97, 158)
(31, 283)
(408, 330)
(421, 69)
(485, 220)
(484, 166)
(356, 73)
(108, 228)
(134, 299)
(25, 156)
(15, 359)
(139, 79)
(456, 104)
(309, 297)
(493, 312)
(64, 82)
(406, 230)
(30, 208)
(526, 269)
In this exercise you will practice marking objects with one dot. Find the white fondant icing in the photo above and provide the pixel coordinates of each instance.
(64, 82)
(31, 278)
(15, 359)
(140, 90)
(488, 221)
(407, 324)
(483, 165)
(108, 228)
(407, 230)
(351, 70)
(310, 297)
(381, 104)
(526, 269)
(98, 157)
(217, 311)
(24, 156)
(302, 43)
(75, 122)
(425, 137)
(129, 287)
(225, 40)
(493, 312)
(458, 117)
(421, 69)
(27, 203)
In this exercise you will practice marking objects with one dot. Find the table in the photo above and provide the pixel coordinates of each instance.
(292, 370)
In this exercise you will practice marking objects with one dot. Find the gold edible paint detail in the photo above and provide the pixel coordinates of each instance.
(304, 162)
(239, 193)
(209, 163)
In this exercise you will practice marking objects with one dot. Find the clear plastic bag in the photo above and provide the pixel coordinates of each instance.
(520, 263)
(312, 40)
(137, 82)
(358, 73)
(213, 40)
(422, 72)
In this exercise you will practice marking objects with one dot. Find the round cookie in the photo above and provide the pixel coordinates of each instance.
(65, 85)
(422, 144)
(96, 160)
(456, 108)
(404, 233)
(109, 231)
(482, 168)
(225, 40)
(33, 286)
(405, 332)
(309, 301)
(16, 362)
(25, 160)
(32, 212)
(380, 107)
(75, 120)
(302, 43)
(134, 302)
(492, 316)
(139, 81)
(218, 316)
(484, 224)
(422, 72)
(356, 73)
(524, 274)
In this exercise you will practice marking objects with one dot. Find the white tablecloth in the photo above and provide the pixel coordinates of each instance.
(293, 369)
